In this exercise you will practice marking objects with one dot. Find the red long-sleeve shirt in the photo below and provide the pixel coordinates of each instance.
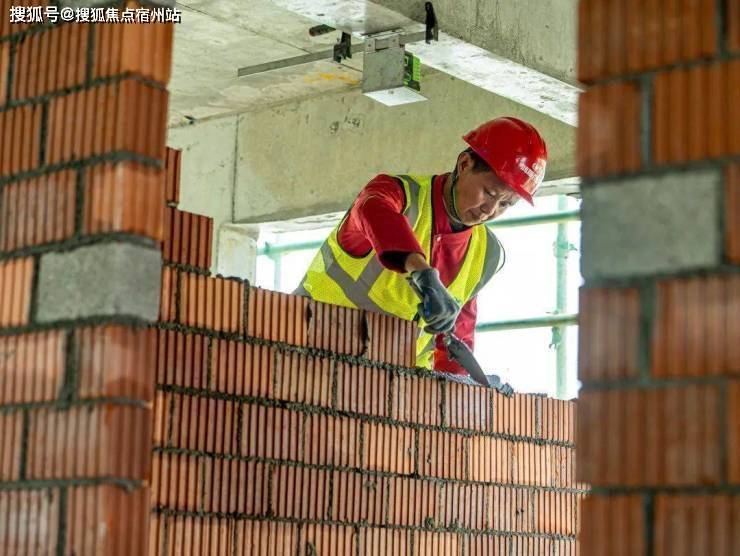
(376, 221)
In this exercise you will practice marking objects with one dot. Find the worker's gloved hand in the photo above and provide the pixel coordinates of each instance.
(438, 308)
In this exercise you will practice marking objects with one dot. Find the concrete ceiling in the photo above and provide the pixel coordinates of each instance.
(524, 50)
(217, 37)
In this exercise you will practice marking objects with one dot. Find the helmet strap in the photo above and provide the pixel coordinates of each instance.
(451, 205)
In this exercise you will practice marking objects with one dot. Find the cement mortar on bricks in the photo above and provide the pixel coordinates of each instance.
(652, 224)
(99, 280)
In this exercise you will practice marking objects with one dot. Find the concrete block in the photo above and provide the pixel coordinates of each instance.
(99, 280)
(650, 225)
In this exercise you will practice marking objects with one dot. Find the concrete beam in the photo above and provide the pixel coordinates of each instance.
(312, 157)
(535, 33)
(473, 57)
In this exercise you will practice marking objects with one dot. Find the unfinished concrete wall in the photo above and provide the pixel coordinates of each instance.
(285, 426)
(659, 148)
(82, 131)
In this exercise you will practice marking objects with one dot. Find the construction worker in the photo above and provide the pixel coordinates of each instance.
(429, 230)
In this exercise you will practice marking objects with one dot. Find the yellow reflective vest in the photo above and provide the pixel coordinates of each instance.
(339, 278)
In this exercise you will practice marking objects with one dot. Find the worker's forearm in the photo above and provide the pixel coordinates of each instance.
(415, 261)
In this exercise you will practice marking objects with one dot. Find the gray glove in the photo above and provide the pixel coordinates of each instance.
(438, 308)
(501, 387)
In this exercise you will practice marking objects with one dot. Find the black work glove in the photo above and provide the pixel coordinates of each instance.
(438, 308)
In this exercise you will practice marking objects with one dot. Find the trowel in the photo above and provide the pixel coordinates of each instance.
(460, 352)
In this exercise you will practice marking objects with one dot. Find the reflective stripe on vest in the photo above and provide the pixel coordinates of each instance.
(337, 277)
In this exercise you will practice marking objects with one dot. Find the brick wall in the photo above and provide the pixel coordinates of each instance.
(285, 426)
(82, 131)
(659, 150)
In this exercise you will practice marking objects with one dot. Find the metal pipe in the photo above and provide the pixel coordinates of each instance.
(550, 218)
(537, 322)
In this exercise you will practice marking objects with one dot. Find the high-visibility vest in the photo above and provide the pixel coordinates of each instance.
(339, 278)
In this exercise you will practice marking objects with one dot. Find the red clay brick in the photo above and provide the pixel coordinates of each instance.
(337, 329)
(328, 440)
(204, 424)
(374, 540)
(388, 448)
(272, 432)
(443, 454)
(11, 427)
(36, 53)
(124, 197)
(30, 520)
(31, 366)
(732, 213)
(693, 325)
(433, 542)
(490, 459)
(654, 34)
(608, 337)
(489, 544)
(262, 537)
(608, 136)
(128, 49)
(177, 481)
(390, 340)
(672, 141)
(617, 522)
(698, 524)
(683, 423)
(19, 146)
(192, 302)
(37, 211)
(732, 418)
(93, 526)
(358, 497)
(187, 238)
(183, 359)
(514, 415)
(558, 419)
(598, 26)
(411, 502)
(363, 389)
(303, 379)
(467, 407)
(327, 539)
(120, 114)
(4, 63)
(16, 276)
(173, 158)
(104, 440)
(168, 294)
(298, 492)
(732, 17)
(697, 148)
(243, 369)
(116, 361)
(416, 400)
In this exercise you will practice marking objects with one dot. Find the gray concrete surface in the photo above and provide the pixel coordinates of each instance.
(99, 280)
(650, 225)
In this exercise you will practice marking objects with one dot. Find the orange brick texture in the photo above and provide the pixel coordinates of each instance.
(82, 155)
(658, 429)
(286, 426)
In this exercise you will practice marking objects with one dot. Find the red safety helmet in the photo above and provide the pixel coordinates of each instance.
(514, 150)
